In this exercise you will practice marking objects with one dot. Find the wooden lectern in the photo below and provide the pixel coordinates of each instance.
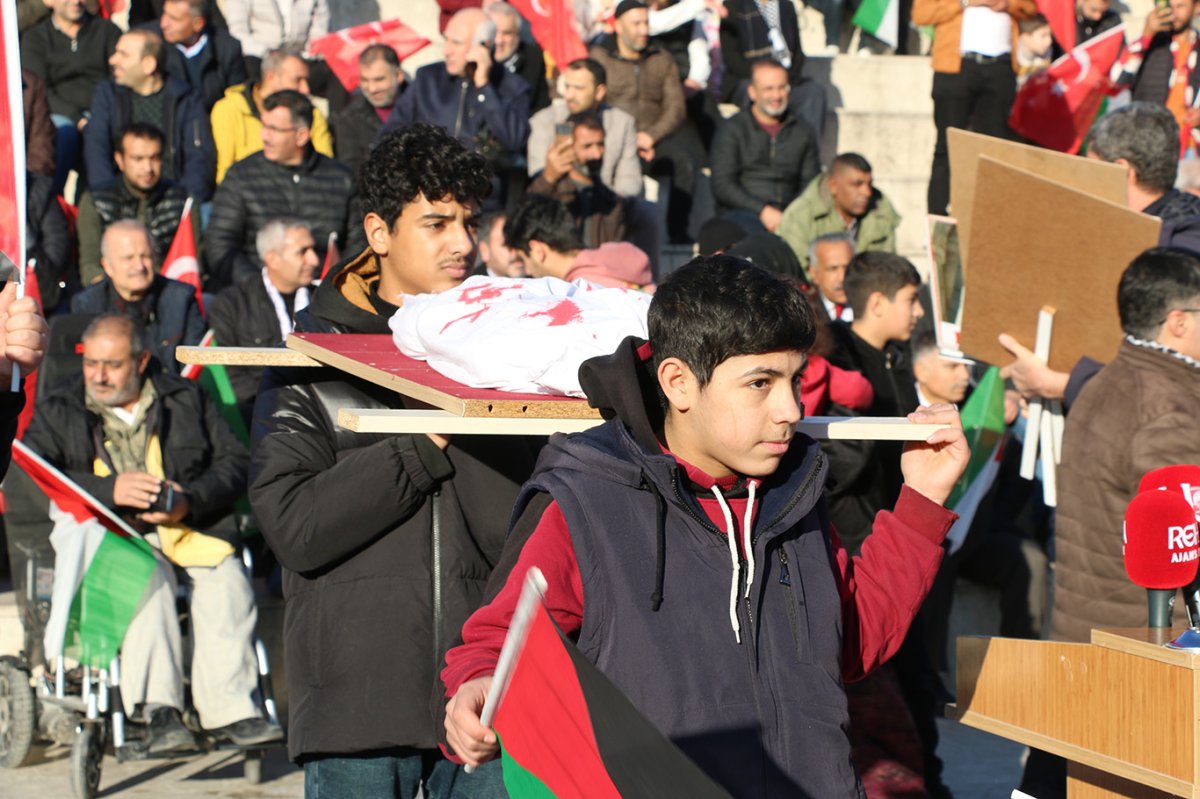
(1123, 710)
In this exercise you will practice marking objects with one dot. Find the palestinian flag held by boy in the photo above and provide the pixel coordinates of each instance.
(102, 568)
(214, 379)
(566, 731)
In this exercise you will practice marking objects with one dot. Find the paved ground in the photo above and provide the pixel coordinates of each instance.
(978, 766)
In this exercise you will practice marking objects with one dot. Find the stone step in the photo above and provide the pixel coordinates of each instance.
(876, 82)
(895, 142)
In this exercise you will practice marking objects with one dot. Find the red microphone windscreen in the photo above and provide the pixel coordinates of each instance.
(1160, 540)
(1183, 478)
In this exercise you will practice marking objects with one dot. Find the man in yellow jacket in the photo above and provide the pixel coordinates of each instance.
(237, 117)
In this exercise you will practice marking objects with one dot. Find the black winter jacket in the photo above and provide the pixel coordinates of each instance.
(355, 128)
(48, 237)
(750, 169)
(866, 474)
(189, 157)
(386, 541)
(745, 39)
(71, 69)
(199, 450)
(317, 191)
(217, 67)
(242, 315)
(169, 314)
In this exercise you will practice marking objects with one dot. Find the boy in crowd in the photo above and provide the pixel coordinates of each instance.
(1034, 45)
(698, 499)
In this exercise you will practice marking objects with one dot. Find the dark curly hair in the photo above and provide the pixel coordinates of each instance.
(420, 159)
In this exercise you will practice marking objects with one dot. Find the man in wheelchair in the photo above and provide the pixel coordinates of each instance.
(154, 448)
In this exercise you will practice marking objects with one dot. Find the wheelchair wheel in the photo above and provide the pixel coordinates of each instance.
(86, 755)
(18, 713)
(252, 766)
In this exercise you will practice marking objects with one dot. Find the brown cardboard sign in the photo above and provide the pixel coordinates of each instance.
(1035, 243)
(1097, 178)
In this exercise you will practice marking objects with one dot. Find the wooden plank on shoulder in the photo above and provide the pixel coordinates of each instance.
(242, 356)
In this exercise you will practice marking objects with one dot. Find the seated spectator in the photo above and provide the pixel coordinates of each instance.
(519, 56)
(261, 313)
(828, 256)
(841, 199)
(357, 125)
(496, 258)
(47, 238)
(584, 84)
(139, 192)
(154, 449)
(754, 29)
(69, 51)
(287, 179)
(140, 91)
(643, 81)
(265, 25)
(764, 157)
(200, 53)
(473, 98)
(165, 308)
(543, 231)
(237, 117)
(39, 127)
(572, 176)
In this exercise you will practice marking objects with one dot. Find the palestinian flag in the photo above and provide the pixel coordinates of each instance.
(12, 149)
(566, 731)
(881, 19)
(984, 426)
(102, 568)
(214, 379)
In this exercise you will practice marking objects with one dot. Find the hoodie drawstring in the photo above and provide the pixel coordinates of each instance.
(731, 537)
(660, 531)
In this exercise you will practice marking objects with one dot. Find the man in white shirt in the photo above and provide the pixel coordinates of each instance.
(828, 257)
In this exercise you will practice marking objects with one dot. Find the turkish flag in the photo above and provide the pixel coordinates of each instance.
(1061, 16)
(12, 150)
(553, 25)
(1056, 107)
(341, 49)
(332, 255)
(180, 263)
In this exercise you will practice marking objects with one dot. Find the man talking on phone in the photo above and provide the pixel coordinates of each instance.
(475, 99)
(154, 448)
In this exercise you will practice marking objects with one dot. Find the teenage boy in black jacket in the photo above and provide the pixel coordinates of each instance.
(386, 541)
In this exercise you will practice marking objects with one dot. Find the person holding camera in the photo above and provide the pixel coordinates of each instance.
(154, 448)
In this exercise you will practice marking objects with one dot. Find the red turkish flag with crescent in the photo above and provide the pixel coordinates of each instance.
(341, 49)
(12, 149)
(1056, 107)
(1061, 16)
(553, 25)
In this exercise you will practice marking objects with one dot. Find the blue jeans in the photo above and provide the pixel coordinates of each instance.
(68, 145)
(399, 776)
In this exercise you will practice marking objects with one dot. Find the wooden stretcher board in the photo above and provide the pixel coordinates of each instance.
(443, 423)
(374, 357)
(242, 356)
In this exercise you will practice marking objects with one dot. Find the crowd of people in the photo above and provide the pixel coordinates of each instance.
(496, 161)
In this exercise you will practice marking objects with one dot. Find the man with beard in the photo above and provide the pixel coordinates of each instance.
(572, 176)
(356, 126)
(763, 158)
(1161, 66)
(841, 199)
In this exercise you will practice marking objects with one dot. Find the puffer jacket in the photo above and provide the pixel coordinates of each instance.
(237, 128)
(262, 25)
(377, 588)
(750, 169)
(650, 88)
(217, 67)
(1142, 411)
(317, 191)
(160, 209)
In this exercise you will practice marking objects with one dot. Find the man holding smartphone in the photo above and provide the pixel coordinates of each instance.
(155, 449)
